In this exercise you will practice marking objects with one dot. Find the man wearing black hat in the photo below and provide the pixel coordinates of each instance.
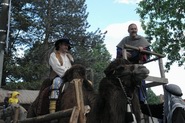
(60, 61)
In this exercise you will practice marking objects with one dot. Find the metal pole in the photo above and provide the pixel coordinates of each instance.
(1, 65)
(3, 33)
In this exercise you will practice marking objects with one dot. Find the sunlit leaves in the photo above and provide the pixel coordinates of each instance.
(164, 21)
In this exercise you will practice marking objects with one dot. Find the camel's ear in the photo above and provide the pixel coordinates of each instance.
(108, 71)
(120, 67)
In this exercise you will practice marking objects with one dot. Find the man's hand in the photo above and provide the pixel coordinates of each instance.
(140, 49)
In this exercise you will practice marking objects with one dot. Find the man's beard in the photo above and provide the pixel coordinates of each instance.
(133, 34)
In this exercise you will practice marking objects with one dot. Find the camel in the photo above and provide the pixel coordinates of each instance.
(118, 92)
(66, 99)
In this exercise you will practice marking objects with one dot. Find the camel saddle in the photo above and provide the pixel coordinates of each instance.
(43, 98)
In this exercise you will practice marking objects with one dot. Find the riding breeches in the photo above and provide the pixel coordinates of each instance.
(57, 82)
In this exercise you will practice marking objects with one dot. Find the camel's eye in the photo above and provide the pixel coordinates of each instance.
(120, 67)
(132, 68)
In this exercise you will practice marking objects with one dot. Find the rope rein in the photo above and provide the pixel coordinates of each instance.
(124, 91)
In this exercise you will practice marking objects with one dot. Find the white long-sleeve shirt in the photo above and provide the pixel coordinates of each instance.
(56, 66)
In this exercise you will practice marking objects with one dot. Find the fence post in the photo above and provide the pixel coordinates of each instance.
(80, 101)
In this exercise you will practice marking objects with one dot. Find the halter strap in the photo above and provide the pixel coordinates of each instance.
(124, 91)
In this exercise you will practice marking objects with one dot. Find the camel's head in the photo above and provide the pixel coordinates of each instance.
(75, 72)
(129, 74)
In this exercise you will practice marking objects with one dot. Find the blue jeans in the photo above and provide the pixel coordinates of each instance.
(142, 92)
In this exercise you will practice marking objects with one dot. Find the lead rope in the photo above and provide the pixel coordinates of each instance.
(128, 98)
(128, 105)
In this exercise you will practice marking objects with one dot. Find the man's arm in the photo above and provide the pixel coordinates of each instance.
(119, 53)
(145, 57)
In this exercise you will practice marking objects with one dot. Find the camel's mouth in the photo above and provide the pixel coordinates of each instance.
(141, 69)
(141, 72)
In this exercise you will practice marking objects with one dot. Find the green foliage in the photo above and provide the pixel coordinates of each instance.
(151, 97)
(164, 20)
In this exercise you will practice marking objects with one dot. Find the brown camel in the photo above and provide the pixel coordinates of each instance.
(67, 98)
(118, 89)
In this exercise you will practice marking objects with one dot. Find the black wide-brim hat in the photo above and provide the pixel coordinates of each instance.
(63, 40)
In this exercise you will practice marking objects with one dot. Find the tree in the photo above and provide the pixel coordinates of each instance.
(151, 97)
(164, 20)
(18, 37)
(44, 22)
